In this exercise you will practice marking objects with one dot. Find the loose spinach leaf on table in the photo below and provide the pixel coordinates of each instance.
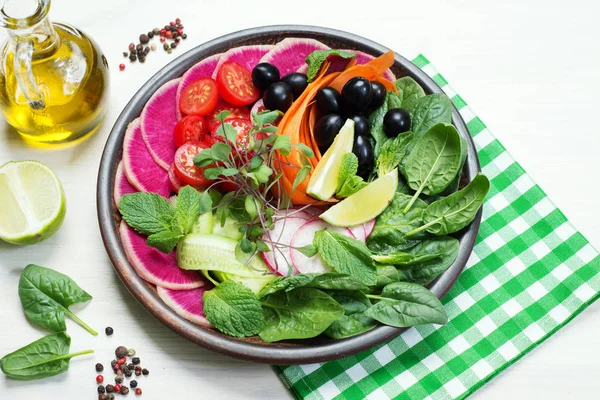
(392, 152)
(45, 357)
(233, 309)
(434, 162)
(353, 322)
(46, 296)
(326, 281)
(456, 211)
(346, 255)
(404, 304)
(299, 314)
(445, 247)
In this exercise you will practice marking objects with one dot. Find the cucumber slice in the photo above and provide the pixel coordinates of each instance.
(204, 225)
(231, 229)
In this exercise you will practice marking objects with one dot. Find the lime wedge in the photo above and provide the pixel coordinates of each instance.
(364, 205)
(324, 179)
(32, 201)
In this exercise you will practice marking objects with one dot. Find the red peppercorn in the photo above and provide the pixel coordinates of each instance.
(169, 34)
(163, 39)
(99, 379)
(131, 46)
(117, 388)
(163, 31)
(178, 20)
(138, 391)
(172, 23)
(122, 361)
(121, 67)
(180, 31)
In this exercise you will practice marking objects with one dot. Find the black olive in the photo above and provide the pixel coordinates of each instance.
(396, 121)
(364, 152)
(264, 75)
(379, 92)
(327, 128)
(329, 101)
(357, 94)
(278, 96)
(361, 125)
(297, 81)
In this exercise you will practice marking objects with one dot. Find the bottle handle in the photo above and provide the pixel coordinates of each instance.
(24, 74)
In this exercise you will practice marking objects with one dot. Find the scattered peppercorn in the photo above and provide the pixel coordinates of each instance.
(135, 360)
(180, 31)
(125, 54)
(138, 371)
(124, 390)
(177, 20)
(117, 388)
(132, 58)
(184, 36)
(99, 379)
(110, 397)
(124, 368)
(119, 372)
(144, 38)
(156, 31)
(153, 47)
(150, 34)
(128, 373)
(131, 47)
(139, 47)
(169, 50)
(99, 367)
(163, 39)
(173, 45)
(177, 40)
(169, 34)
(118, 379)
(172, 23)
(109, 331)
(166, 46)
(101, 389)
(110, 388)
(121, 352)
(102, 397)
(121, 67)
(133, 383)
(145, 371)
(138, 391)
(122, 360)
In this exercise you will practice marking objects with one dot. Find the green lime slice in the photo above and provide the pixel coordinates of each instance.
(32, 201)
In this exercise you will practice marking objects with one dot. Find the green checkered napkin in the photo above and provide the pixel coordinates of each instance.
(530, 273)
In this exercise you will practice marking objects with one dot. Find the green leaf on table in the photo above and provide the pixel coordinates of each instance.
(147, 213)
(326, 281)
(316, 59)
(354, 321)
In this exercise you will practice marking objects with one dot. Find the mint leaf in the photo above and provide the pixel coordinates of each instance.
(187, 208)
(346, 255)
(164, 241)
(233, 309)
(146, 213)
(352, 185)
(348, 182)
(316, 59)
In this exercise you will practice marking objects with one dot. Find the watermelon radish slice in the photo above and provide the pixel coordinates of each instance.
(202, 69)
(290, 54)
(303, 237)
(142, 172)
(369, 226)
(122, 185)
(246, 56)
(153, 266)
(186, 303)
(159, 118)
(358, 232)
(282, 233)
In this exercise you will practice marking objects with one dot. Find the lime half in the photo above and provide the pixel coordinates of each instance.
(32, 201)
(364, 205)
(324, 178)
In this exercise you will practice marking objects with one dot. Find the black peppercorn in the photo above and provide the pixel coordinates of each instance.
(144, 38)
(110, 397)
(109, 331)
(132, 58)
(142, 59)
(125, 54)
(173, 45)
(101, 389)
(150, 34)
(110, 388)
(128, 373)
(118, 379)
(131, 366)
(165, 46)
(184, 36)
(139, 48)
(145, 371)
(121, 352)
(138, 371)
(124, 390)
(177, 40)
(124, 368)
(135, 360)
(147, 50)
(133, 383)
(99, 367)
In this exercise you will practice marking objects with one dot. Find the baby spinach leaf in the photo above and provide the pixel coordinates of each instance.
(346, 255)
(434, 162)
(403, 304)
(376, 124)
(409, 92)
(401, 258)
(353, 322)
(454, 185)
(45, 357)
(392, 152)
(386, 274)
(429, 111)
(46, 296)
(326, 281)
(316, 59)
(424, 272)
(456, 211)
(233, 309)
(147, 213)
(299, 314)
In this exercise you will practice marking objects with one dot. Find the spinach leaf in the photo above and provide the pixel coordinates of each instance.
(46, 296)
(392, 152)
(456, 211)
(348, 182)
(424, 272)
(401, 258)
(233, 309)
(386, 274)
(316, 59)
(346, 255)
(434, 162)
(146, 213)
(327, 281)
(45, 357)
(403, 304)
(300, 314)
(353, 322)
(429, 111)
(454, 185)
(376, 124)
(409, 92)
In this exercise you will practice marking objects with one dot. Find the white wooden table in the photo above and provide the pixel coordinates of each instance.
(530, 71)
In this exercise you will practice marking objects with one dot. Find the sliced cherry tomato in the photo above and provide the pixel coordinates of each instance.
(185, 169)
(176, 183)
(192, 128)
(235, 84)
(236, 112)
(242, 126)
(199, 97)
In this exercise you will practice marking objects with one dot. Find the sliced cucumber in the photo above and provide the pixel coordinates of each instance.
(231, 229)
(204, 225)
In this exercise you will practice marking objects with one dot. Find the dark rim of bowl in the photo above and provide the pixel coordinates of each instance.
(272, 353)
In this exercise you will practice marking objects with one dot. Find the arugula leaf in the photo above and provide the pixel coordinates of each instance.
(354, 321)
(392, 152)
(425, 271)
(233, 309)
(146, 213)
(187, 209)
(316, 59)
(164, 241)
(346, 255)
(46, 296)
(45, 357)
(326, 281)
(299, 314)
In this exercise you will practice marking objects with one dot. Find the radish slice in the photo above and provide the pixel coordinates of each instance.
(294, 213)
(202, 69)
(159, 118)
(369, 226)
(153, 266)
(358, 232)
(187, 303)
(246, 56)
(314, 211)
(257, 107)
(139, 167)
(122, 185)
(290, 54)
(303, 237)
(280, 261)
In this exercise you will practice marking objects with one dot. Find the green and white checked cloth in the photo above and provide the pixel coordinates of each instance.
(530, 273)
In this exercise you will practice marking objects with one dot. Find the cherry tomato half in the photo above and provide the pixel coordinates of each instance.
(192, 128)
(199, 97)
(185, 169)
(235, 84)
(242, 126)
(236, 112)
(176, 183)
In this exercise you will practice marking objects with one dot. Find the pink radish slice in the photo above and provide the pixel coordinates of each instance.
(246, 56)
(202, 69)
(153, 266)
(186, 303)
(280, 261)
(159, 118)
(303, 237)
(358, 232)
(369, 226)
(290, 54)
(294, 213)
(122, 185)
(139, 166)
(314, 211)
